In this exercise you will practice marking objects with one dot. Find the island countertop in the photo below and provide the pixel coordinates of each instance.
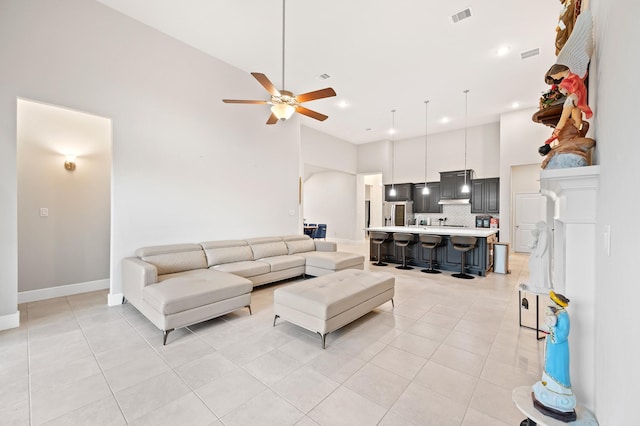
(438, 230)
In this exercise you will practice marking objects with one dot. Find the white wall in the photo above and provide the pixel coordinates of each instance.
(329, 191)
(616, 87)
(323, 150)
(330, 197)
(445, 152)
(520, 138)
(71, 244)
(186, 167)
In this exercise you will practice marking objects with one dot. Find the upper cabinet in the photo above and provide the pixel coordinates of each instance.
(451, 184)
(485, 196)
(426, 203)
(404, 192)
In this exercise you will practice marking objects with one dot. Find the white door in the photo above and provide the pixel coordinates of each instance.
(529, 209)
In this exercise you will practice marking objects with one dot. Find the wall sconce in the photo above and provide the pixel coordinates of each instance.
(70, 162)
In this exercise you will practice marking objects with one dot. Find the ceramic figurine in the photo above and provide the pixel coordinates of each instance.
(552, 395)
(569, 73)
(539, 260)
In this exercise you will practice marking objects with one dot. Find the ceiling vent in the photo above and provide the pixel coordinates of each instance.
(464, 14)
(324, 76)
(530, 53)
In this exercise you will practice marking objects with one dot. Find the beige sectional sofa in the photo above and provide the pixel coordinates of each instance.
(181, 284)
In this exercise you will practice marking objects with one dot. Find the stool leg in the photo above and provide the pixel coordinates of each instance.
(404, 260)
(431, 270)
(379, 262)
(462, 274)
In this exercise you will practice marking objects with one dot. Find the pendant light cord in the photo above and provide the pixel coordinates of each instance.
(393, 145)
(426, 124)
(466, 96)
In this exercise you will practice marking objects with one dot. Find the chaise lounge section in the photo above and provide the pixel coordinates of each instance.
(182, 284)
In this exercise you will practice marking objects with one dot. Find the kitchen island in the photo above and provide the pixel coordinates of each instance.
(478, 261)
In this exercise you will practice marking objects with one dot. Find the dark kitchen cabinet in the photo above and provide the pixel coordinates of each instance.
(485, 196)
(426, 203)
(404, 192)
(451, 184)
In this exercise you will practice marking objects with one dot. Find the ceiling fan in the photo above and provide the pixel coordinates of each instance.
(283, 102)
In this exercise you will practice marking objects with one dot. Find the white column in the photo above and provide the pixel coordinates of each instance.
(573, 192)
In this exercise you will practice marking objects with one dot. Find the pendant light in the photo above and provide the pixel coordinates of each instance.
(392, 192)
(425, 190)
(465, 187)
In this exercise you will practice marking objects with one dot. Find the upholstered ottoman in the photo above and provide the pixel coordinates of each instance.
(326, 303)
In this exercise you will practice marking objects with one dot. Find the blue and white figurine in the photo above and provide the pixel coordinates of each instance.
(553, 395)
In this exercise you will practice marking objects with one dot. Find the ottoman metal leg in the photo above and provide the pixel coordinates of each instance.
(274, 319)
(249, 306)
(323, 337)
(165, 334)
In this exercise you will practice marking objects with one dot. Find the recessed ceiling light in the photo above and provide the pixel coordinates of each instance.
(503, 50)
(515, 105)
(343, 104)
(393, 131)
(444, 120)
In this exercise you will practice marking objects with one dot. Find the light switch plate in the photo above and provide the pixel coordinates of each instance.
(44, 212)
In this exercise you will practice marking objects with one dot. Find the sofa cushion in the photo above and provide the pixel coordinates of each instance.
(332, 260)
(300, 246)
(219, 252)
(173, 258)
(281, 263)
(192, 289)
(269, 249)
(247, 268)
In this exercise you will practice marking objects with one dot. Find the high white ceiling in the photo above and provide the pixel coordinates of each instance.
(380, 54)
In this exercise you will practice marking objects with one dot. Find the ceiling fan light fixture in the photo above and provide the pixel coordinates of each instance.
(283, 111)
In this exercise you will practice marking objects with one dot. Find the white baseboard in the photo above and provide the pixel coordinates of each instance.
(62, 290)
(10, 321)
(114, 299)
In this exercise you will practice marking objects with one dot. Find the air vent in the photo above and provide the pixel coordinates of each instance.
(324, 76)
(464, 14)
(530, 53)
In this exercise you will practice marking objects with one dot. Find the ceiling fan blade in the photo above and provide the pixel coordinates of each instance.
(266, 83)
(239, 101)
(310, 113)
(272, 119)
(318, 94)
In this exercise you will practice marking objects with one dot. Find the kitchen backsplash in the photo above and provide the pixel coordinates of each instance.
(456, 214)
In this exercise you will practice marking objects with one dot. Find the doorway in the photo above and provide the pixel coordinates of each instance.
(64, 201)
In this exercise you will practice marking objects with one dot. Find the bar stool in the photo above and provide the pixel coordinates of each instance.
(402, 240)
(463, 244)
(378, 238)
(430, 242)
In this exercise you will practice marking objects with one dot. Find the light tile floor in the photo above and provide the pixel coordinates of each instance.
(449, 353)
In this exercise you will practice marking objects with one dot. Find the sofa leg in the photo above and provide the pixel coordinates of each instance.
(393, 305)
(165, 333)
(323, 337)
(249, 306)
(274, 319)
(124, 300)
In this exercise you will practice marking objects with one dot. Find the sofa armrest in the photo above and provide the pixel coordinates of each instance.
(136, 274)
(326, 246)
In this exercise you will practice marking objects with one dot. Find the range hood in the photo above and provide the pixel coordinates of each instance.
(450, 201)
(451, 184)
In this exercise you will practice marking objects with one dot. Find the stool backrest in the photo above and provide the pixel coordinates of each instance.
(430, 239)
(463, 240)
(401, 236)
(378, 235)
